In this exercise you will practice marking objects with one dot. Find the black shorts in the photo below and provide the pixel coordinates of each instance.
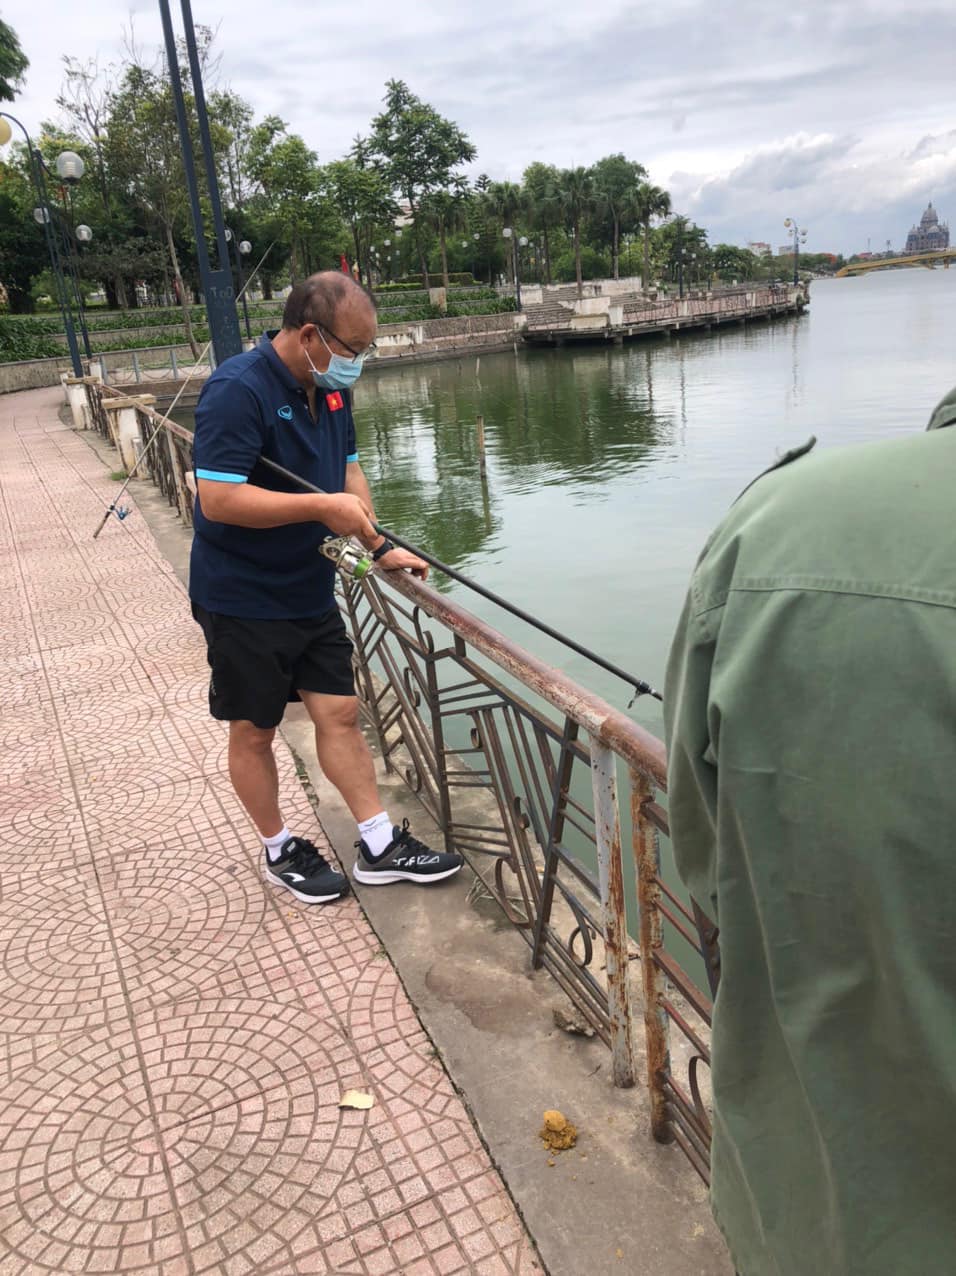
(259, 666)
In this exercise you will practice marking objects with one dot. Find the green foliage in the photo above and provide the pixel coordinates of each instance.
(144, 343)
(22, 248)
(730, 262)
(417, 150)
(460, 277)
(362, 196)
(616, 183)
(500, 306)
(412, 297)
(404, 287)
(594, 265)
(13, 63)
(17, 342)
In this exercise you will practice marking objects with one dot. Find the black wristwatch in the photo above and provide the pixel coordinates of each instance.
(386, 547)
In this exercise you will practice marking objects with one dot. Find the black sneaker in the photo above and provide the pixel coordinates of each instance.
(406, 859)
(307, 874)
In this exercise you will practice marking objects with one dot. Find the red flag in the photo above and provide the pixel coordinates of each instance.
(334, 401)
(343, 265)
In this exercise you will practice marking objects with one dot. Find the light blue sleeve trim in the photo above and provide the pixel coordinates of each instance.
(218, 477)
(353, 457)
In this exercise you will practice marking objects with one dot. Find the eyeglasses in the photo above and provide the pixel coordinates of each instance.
(358, 356)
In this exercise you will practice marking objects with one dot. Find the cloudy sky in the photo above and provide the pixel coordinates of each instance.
(840, 115)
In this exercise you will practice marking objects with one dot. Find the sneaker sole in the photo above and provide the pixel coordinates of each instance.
(385, 876)
(306, 899)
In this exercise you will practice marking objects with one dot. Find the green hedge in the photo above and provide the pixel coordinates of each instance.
(412, 314)
(146, 343)
(413, 296)
(26, 338)
(460, 277)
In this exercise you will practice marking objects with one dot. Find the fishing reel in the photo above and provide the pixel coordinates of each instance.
(351, 558)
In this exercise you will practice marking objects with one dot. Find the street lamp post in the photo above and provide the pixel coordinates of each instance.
(43, 218)
(508, 233)
(474, 248)
(388, 260)
(799, 237)
(241, 248)
(70, 168)
(680, 260)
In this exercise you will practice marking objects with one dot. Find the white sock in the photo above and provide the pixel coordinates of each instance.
(377, 834)
(274, 845)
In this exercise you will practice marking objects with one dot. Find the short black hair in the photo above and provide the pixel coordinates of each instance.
(317, 299)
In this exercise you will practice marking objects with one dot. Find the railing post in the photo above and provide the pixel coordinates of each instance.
(178, 470)
(611, 882)
(647, 862)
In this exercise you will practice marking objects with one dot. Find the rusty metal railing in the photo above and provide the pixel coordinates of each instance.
(527, 774)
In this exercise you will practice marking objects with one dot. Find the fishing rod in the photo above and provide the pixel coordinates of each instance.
(356, 563)
(113, 507)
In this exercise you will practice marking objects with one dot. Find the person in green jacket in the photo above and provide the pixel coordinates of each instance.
(811, 718)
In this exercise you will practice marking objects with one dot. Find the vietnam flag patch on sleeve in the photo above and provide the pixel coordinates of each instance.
(334, 401)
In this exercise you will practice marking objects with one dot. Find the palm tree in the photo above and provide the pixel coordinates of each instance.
(649, 202)
(446, 210)
(543, 202)
(616, 180)
(577, 199)
(506, 201)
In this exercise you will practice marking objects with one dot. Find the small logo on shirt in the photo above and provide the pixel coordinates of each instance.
(334, 400)
(285, 412)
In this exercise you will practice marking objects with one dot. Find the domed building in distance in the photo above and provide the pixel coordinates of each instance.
(930, 235)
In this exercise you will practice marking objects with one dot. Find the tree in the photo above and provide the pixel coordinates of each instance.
(616, 180)
(731, 262)
(146, 160)
(363, 199)
(122, 243)
(541, 184)
(22, 247)
(683, 248)
(505, 201)
(447, 211)
(577, 199)
(417, 150)
(232, 117)
(13, 63)
(288, 173)
(650, 202)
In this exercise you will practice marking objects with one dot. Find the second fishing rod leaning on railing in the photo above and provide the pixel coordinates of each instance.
(541, 785)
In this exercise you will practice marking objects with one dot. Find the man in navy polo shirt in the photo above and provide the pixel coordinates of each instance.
(263, 593)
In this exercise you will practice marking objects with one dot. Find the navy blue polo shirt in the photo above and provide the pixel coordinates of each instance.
(253, 406)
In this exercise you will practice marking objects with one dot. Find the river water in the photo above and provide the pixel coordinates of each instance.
(608, 467)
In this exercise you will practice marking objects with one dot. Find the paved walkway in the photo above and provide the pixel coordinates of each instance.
(175, 1036)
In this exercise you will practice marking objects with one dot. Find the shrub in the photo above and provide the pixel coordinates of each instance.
(594, 265)
(460, 277)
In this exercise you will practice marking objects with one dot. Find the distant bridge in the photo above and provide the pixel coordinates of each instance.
(930, 260)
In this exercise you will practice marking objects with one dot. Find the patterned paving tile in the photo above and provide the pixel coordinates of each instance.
(175, 1034)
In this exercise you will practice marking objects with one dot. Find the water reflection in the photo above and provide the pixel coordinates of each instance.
(553, 419)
